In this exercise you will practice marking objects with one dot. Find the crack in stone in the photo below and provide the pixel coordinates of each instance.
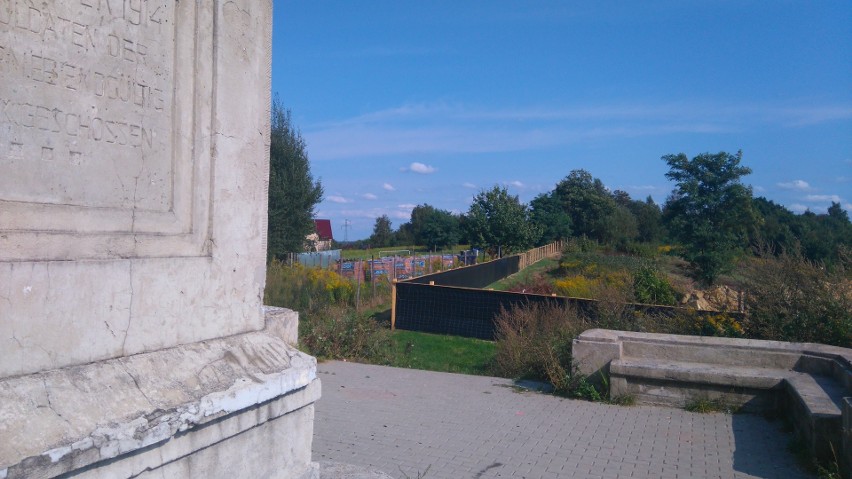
(136, 382)
(129, 311)
(109, 329)
(50, 402)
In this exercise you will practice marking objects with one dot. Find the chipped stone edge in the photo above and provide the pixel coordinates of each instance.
(126, 437)
(139, 433)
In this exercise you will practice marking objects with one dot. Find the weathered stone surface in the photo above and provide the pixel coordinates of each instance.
(808, 382)
(133, 173)
(283, 323)
(337, 470)
(61, 420)
(133, 186)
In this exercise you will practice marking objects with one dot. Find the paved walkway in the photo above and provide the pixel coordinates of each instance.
(402, 421)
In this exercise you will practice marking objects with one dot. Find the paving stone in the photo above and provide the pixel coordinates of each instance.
(402, 421)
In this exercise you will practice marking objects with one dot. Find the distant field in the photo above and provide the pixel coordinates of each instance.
(398, 251)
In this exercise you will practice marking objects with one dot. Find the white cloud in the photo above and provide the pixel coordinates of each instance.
(338, 199)
(370, 196)
(848, 207)
(798, 208)
(516, 184)
(420, 168)
(388, 187)
(759, 189)
(800, 185)
(823, 198)
(470, 185)
(406, 206)
(401, 215)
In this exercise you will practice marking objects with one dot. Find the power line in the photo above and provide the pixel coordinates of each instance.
(346, 225)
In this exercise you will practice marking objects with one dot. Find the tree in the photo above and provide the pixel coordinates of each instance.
(553, 222)
(432, 227)
(382, 232)
(710, 211)
(293, 193)
(587, 202)
(499, 220)
(649, 219)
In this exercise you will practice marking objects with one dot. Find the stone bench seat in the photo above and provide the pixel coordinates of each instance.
(701, 373)
(811, 384)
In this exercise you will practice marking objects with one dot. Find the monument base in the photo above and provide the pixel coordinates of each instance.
(240, 406)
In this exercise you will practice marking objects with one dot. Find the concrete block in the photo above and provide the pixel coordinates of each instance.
(283, 323)
(592, 351)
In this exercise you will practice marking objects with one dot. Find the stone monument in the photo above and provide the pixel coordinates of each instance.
(134, 142)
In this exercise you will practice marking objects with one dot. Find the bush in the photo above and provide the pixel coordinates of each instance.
(790, 298)
(337, 333)
(304, 289)
(534, 342)
(652, 287)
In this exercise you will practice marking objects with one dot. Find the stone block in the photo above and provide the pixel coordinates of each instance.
(133, 179)
(161, 407)
(282, 322)
(592, 352)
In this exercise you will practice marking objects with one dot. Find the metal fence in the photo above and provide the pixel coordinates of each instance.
(452, 302)
(320, 259)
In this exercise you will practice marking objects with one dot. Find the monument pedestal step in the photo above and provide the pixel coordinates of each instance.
(239, 406)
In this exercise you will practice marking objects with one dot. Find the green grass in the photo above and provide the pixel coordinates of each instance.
(376, 252)
(706, 406)
(435, 352)
(544, 266)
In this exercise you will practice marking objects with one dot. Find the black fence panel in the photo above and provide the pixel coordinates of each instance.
(477, 276)
(456, 311)
(472, 312)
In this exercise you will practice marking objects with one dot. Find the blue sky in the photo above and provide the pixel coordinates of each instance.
(410, 102)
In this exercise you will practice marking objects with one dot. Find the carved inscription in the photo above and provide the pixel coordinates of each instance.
(85, 102)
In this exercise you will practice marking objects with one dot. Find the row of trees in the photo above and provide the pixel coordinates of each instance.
(711, 215)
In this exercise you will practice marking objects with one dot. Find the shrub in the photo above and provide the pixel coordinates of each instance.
(336, 333)
(304, 289)
(536, 285)
(534, 341)
(651, 287)
(576, 287)
(642, 250)
(790, 298)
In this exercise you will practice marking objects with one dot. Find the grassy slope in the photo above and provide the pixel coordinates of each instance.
(435, 352)
(525, 276)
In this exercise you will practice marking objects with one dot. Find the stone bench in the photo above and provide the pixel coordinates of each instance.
(811, 383)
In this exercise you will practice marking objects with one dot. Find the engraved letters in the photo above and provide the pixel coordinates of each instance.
(87, 84)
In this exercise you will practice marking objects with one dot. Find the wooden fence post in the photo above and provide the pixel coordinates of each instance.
(393, 305)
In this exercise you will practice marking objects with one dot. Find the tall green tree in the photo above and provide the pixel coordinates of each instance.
(553, 222)
(293, 192)
(382, 232)
(649, 219)
(500, 221)
(433, 227)
(587, 202)
(710, 211)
